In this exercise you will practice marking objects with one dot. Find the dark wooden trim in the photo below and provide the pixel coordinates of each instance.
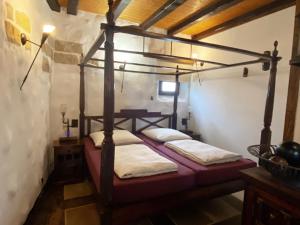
(81, 102)
(175, 103)
(131, 71)
(133, 115)
(119, 6)
(265, 10)
(170, 58)
(108, 147)
(180, 59)
(202, 13)
(72, 7)
(54, 5)
(266, 132)
(133, 30)
(147, 65)
(292, 104)
(228, 66)
(150, 123)
(162, 12)
(293, 89)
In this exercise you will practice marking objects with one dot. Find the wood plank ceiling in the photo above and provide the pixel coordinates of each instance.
(198, 18)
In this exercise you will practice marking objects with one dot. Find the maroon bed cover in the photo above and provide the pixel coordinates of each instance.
(204, 175)
(138, 189)
(189, 175)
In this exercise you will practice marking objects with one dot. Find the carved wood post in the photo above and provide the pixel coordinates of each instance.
(294, 84)
(108, 147)
(174, 122)
(266, 132)
(81, 102)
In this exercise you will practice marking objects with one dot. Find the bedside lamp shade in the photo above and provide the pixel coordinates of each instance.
(63, 108)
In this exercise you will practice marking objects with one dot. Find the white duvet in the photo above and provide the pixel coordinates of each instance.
(202, 153)
(138, 160)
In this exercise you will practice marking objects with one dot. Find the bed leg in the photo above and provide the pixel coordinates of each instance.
(106, 218)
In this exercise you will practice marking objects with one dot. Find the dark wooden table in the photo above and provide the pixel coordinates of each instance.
(68, 162)
(268, 200)
(192, 134)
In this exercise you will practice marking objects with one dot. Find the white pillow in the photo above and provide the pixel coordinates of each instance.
(165, 134)
(120, 137)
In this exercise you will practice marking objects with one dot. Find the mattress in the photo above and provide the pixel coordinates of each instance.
(205, 175)
(143, 188)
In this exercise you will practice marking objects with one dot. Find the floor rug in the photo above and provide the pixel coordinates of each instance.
(221, 211)
(78, 190)
(88, 215)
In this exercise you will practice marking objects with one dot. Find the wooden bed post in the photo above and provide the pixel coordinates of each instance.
(81, 102)
(266, 132)
(174, 120)
(108, 147)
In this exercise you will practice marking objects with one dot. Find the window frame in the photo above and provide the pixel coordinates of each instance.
(166, 93)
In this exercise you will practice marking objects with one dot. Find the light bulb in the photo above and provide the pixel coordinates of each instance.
(47, 29)
(63, 108)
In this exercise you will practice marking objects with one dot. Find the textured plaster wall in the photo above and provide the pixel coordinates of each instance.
(24, 133)
(228, 109)
(138, 88)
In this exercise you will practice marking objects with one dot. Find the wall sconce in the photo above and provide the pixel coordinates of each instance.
(66, 123)
(47, 30)
(245, 72)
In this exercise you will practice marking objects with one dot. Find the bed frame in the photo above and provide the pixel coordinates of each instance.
(132, 115)
(111, 214)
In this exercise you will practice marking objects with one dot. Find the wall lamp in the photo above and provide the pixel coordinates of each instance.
(47, 30)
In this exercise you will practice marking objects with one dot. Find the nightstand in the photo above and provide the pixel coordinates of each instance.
(68, 162)
(192, 134)
(269, 201)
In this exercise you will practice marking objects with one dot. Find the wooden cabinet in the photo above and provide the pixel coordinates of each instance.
(192, 134)
(269, 201)
(68, 162)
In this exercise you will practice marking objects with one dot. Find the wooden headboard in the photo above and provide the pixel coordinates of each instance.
(132, 115)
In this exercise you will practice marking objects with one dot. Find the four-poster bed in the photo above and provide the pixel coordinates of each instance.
(112, 213)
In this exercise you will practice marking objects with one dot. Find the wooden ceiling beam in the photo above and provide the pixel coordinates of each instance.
(72, 7)
(163, 11)
(202, 14)
(134, 30)
(119, 6)
(272, 7)
(54, 5)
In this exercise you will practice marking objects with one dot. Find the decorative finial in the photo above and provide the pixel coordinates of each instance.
(275, 51)
(110, 3)
(275, 44)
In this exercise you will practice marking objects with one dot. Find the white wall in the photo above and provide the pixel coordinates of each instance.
(24, 133)
(228, 109)
(138, 88)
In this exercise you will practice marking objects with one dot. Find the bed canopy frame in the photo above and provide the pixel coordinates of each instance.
(268, 59)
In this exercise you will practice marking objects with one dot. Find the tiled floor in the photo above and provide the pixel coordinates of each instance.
(74, 205)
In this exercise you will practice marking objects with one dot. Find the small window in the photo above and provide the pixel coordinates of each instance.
(167, 88)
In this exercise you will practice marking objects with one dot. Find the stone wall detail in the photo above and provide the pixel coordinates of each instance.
(66, 52)
(16, 22)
